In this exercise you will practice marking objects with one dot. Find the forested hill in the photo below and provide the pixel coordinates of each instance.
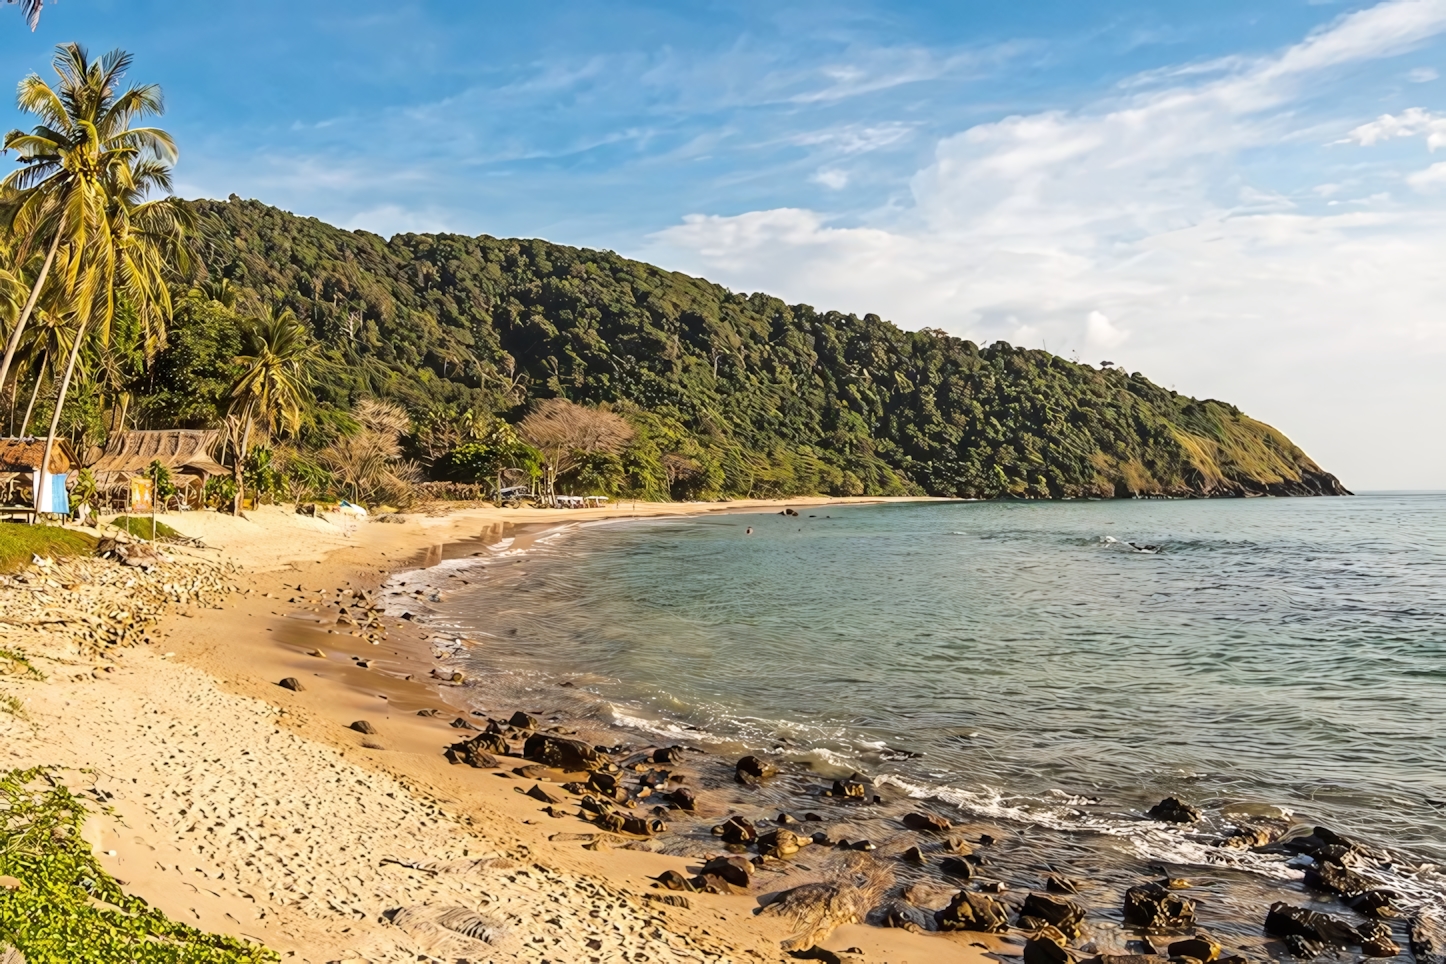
(731, 394)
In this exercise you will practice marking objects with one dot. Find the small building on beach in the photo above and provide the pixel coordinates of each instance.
(185, 453)
(20, 461)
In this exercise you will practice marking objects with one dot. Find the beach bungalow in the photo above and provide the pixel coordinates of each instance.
(185, 453)
(19, 471)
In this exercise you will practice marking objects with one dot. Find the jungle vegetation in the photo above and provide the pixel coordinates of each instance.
(343, 363)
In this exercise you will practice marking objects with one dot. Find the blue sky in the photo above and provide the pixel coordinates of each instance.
(1238, 199)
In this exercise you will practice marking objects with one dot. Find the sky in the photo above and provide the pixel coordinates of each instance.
(1242, 200)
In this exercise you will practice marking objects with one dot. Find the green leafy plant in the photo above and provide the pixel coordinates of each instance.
(220, 491)
(67, 908)
(140, 527)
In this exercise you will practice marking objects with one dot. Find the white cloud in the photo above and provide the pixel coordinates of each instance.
(1408, 123)
(1423, 75)
(1101, 333)
(832, 178)
(1135, 214)
(1431, 178)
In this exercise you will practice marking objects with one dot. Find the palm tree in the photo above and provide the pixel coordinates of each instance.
(271, 388)
(73, 163)
(31, 10)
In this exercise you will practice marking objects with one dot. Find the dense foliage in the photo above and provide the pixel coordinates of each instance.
(730, 394)
(66, 907)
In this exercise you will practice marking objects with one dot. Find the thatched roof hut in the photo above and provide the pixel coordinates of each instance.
(21, 456)
(181, 451)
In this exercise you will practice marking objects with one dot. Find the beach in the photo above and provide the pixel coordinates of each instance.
(242, 807)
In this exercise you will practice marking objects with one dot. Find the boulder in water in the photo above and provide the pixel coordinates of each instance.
(957, 867)
(750, 770)
(1153, 907)
(969, 911)
(1428, 940)
(1284, 920)
(523, 721)
(736, 830)
(1335, 879)
(1173, 810)
(1201, 947)
(1064, 915)
(927, 821)
(1376, 940)
(734, 869)
(781, 843)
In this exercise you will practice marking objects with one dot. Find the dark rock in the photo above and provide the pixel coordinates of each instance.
(863, 845)
(781, 843)
(474, 752)
(992, 886)
(1324, 844)
(1376, 940)
(985, 839)
(683, 799)
(1059, 884)
(905, 916)
(927, 821)
(560, 752)
(750, 770)
(737, 830)
(973, 912)
(914, 855)
(461, 724)
(1152, 907)
(1283, 920)
(290, 683)
(1427, 939)
(812, 818)
(1201, 947)
(673, 880)
(427, 712)
(957, 867)
(539, 792)
(1335, 879)
(1064, 915)
(668, 754)
(605, 783)
(734, 869)
(848, 789)
(786, 820)
(1247, 836)
(822, 839)
(654, 779)
(362, 726)
(1173, 810)
(1043, 951)
(1378, 904)
(523, 721)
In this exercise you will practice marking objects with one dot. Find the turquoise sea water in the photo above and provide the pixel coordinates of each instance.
(1020, 661)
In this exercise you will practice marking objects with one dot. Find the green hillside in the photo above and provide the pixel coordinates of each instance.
(731, 394)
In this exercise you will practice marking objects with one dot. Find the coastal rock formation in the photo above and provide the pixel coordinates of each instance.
(1287, 921)
(969, 911)
(750, 770)
(1065, 916)
(1428, 940)
(926, 821)
(1173, 810)
(1153, 907)
(562, 752)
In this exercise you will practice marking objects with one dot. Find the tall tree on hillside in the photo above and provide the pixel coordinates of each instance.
(74, 163)
(271, 388)
(565, 433)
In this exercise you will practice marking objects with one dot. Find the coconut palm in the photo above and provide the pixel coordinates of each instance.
(271, 388)
(30, 9)
(82, 154)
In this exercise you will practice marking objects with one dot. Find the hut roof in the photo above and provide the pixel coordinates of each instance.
(24, 455)
(130, 453)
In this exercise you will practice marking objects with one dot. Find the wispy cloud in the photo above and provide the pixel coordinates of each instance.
(1132, 226)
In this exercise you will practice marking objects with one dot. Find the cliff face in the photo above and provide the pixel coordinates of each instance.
(733, 394)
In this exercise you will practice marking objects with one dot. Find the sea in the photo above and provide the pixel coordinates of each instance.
(1051, 669)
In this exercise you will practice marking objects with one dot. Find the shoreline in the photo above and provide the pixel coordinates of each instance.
(220, 673)
(316, 892)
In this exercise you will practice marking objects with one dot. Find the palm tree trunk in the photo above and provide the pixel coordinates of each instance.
(240, 462)
(20, 322)
(55, 418)
(34, 394)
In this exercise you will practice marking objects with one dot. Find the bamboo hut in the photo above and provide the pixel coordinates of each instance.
(185, 453)
(19, 463)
